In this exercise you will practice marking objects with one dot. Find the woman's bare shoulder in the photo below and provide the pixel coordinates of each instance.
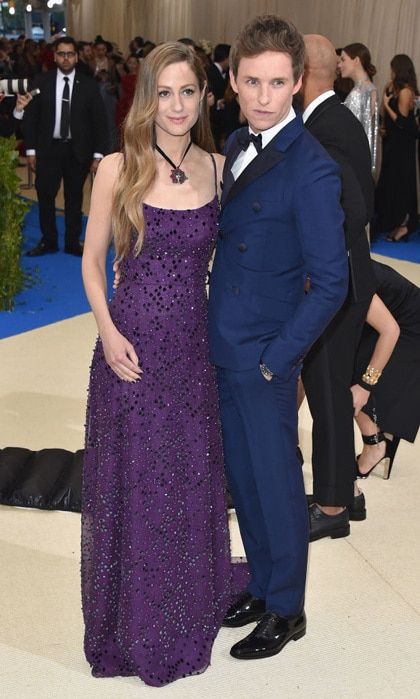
(111, 164)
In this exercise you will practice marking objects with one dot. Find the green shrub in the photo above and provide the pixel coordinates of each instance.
(12, 213)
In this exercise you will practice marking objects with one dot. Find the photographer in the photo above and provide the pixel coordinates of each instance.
(11, 106)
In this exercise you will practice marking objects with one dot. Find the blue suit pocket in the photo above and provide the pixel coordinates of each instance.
(267, 307)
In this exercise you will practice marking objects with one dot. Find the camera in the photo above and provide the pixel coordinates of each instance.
(16, 86)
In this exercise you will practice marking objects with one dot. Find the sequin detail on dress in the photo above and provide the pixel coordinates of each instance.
(359, 101)
(156, 569)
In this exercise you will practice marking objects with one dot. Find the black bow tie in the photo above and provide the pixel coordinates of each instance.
(248, 138)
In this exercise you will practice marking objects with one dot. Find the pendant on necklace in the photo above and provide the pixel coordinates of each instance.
(178, 176)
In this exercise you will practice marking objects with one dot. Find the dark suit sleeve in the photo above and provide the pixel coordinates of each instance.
(98, 120)
(31, 118)
(319, 222)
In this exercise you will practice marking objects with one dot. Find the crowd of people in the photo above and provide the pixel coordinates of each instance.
(295, 305)
(394, 119)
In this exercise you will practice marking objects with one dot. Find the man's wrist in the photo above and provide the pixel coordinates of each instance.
(266, 372)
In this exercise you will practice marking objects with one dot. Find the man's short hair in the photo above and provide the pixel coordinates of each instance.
(65, 40)
(269, 33)
(221, 52)
(81, 45)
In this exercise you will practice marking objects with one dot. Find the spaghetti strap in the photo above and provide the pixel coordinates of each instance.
(215, 173)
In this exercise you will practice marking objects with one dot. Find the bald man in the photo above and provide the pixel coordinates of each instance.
(328, 368)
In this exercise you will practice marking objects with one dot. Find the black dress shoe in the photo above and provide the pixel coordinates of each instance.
(246, 609)
(42, 249)
(357, 510)
(269, 636)
(320, 524)
(75, 249)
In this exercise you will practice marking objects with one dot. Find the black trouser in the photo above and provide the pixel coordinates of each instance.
(327, 376)
(60, 164)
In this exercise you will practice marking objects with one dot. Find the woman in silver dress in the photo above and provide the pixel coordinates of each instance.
(355, 63)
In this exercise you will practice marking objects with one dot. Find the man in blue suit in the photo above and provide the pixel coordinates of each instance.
(281, 222)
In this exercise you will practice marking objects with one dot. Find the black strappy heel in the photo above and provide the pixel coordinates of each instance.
(388, 458)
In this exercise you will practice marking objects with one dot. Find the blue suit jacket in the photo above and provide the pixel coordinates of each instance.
(281, 221)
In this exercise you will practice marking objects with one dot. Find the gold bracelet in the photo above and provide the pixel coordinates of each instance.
(371, 376)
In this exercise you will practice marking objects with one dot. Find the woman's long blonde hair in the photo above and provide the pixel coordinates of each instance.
(139, 165)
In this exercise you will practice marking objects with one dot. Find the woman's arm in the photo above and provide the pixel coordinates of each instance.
(405, 101)
(405, 104)
(119, 353)
(385, 324)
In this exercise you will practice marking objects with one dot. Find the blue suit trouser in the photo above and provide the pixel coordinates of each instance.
(259, 424)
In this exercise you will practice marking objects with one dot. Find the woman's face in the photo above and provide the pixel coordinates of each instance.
(132, 65)
(347, 65)
(179, 99)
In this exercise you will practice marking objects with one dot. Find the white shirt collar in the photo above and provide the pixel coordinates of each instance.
(61, 76)
(315, 103)
(269, 134)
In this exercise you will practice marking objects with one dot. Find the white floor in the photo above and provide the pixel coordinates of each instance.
(363, 593)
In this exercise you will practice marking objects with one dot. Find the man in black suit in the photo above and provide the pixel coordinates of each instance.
(328, 367)
(217, 79)
(65, 134)
(85, 58)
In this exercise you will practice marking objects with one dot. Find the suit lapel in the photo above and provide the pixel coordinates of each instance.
(75, 93)
(272, 154)
(232, 154)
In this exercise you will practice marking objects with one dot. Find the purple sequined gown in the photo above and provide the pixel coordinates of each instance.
(156, 569)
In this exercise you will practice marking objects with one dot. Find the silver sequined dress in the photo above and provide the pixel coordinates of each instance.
(359, 101)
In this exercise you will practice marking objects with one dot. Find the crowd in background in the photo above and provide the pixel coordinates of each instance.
(116, 73)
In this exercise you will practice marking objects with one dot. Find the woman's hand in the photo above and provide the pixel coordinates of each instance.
(360, 398)
(120, 355)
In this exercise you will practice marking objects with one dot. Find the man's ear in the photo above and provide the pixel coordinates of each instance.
(298, 85)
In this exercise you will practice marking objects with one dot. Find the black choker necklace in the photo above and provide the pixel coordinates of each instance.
(178, 176)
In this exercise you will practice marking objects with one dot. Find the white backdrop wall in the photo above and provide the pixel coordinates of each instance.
(387, 27)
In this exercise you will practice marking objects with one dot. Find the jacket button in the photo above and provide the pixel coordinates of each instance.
(221, 234)
(236, 290)
(242, 247)
(256, 206)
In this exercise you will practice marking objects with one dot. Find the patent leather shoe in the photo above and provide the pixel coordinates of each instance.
(42, 249)
(357, 509)
(321, 525)
(269, 636)
(245, 610)
(76, 250)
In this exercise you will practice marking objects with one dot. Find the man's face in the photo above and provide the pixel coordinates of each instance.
(265, 87)
(87, 53)
(65, 57)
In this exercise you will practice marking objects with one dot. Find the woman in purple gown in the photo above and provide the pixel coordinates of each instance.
(157, 576)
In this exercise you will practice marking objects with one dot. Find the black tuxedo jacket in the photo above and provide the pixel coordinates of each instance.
(216, 82)
(343, 137)
(88, 124)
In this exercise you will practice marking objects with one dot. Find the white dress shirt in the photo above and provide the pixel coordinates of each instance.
(315, 103)
(245, 157)
(59, 87)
